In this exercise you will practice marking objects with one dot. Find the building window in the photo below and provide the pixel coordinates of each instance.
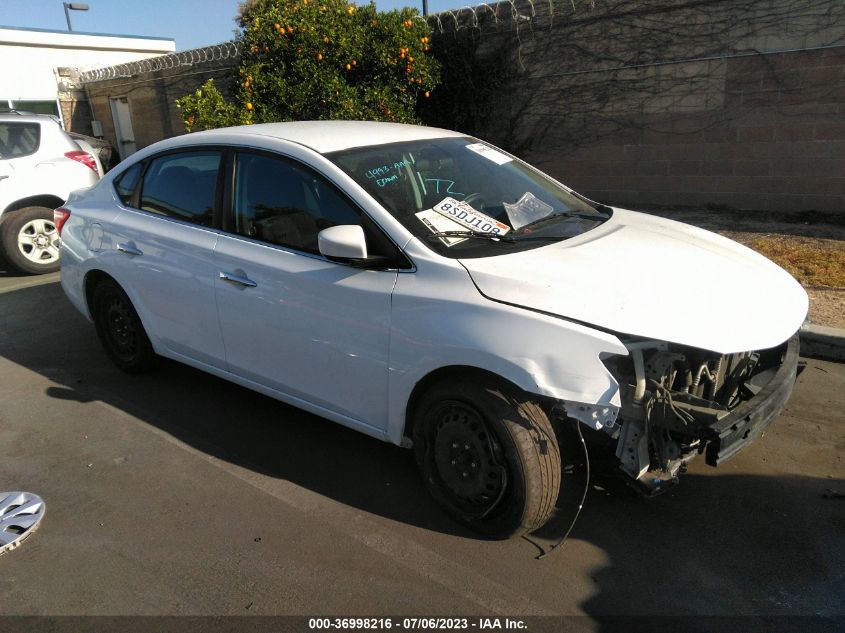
(38, 107)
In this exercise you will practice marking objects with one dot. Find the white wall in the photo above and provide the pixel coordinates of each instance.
(28, 58)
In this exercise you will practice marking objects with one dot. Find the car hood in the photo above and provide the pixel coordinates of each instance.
(651, 277)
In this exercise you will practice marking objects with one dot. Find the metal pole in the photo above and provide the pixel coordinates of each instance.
(67, 16)
(425, 7)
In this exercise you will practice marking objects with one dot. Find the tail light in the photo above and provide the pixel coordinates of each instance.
(60, 216)
(83, 157)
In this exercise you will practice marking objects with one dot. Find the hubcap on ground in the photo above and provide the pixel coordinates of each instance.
(20, 514)
(465, 456)
(38, 241)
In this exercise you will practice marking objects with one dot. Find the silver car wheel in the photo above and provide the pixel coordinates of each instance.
(20, 514)
(38, 241)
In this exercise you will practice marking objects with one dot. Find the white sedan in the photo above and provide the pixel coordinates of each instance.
(430, 290)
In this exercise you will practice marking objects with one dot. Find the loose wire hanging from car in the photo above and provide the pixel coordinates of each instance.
(565, 536)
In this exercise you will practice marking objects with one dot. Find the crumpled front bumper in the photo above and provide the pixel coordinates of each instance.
(736, 430)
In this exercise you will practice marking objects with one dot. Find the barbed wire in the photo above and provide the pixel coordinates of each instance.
(617, 66)
(214, 53)
(505, 12)
(453, 20)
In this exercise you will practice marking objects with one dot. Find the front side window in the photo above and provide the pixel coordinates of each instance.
(283, 203)
(493, 192)
(19, 139)
(182, 186)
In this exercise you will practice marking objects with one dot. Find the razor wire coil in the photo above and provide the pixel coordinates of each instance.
(213, 53)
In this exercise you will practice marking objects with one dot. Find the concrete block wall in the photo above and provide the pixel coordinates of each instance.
(152, 96)
(76, 114)
(739, 105)
(775, 145)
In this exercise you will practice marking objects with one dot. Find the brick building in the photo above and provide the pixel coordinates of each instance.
(40, 68)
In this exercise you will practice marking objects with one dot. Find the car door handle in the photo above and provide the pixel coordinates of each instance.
(238, 279)
(129, 249)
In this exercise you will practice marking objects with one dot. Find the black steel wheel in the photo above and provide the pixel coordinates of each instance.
(488, 455)
(120, 330)
(467, 458)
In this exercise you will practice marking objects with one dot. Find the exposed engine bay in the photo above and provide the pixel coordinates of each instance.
(678, 402)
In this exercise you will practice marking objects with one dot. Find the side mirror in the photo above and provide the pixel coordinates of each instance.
(343, 242)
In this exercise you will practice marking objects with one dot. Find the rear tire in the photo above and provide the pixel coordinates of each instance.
(120, 329)
(488, 455)
(30, 241)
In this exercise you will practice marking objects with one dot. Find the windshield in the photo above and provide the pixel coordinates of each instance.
(464, 198)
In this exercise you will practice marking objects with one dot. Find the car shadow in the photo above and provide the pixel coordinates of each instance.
(721, 544)
(220, 418)
(7, 272)
(241, 426)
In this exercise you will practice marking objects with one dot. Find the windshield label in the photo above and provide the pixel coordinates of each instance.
(467, 217)
(447, 188)
(528, 209)
(381, 174)
(489, 153)
(437, 223)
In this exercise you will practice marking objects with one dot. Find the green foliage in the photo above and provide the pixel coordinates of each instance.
(206, 109)
(322, 59)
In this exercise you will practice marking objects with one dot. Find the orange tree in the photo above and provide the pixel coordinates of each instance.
(321, 59)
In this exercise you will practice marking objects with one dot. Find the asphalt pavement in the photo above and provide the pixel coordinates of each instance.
(177, 493)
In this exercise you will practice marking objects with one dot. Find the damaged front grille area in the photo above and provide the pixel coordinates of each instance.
(679, 401)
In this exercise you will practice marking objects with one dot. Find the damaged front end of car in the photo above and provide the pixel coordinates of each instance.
(678, 402)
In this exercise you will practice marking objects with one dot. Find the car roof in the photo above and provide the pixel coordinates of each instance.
(332, 136)
(27, 118)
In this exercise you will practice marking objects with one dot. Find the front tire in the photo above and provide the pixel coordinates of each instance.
(120, 329)
(488, 455)
(30, 240)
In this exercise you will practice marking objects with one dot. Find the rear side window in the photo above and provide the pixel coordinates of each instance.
(125, 184)
(182, 186)
(19, 139)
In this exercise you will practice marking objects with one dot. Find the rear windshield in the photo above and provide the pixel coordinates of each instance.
(18, 139)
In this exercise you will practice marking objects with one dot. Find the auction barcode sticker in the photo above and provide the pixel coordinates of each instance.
(464, 214)
(490, 153)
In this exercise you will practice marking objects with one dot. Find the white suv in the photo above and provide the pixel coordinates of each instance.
(39, 166)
